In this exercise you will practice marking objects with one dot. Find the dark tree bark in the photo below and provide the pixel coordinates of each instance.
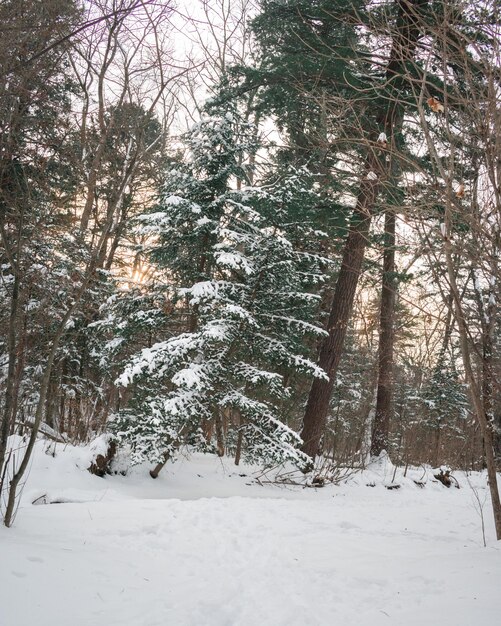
(331, 348)
(9, 393)
(487, 315)
(384, 398)
(12, 187)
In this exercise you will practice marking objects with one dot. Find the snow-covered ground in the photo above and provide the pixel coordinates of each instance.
(204, 546)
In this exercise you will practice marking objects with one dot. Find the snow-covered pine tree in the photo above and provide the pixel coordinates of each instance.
(446, 401)
(247, 291)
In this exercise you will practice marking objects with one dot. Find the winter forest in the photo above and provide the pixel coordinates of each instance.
(250, 312)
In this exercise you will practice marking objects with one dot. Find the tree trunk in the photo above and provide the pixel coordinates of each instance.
(19, 473)
(159, 466)
(238, 451)
(330, 351)
(497, 440)
(7, 417)
(240, 440)
(486, 424)
(219, 433)
(488, 333)
(384, 399)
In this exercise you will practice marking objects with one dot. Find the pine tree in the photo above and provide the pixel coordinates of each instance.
(446, 402)
(245, 288)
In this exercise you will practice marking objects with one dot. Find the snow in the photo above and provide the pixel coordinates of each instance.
(200, 291)
(97, 447)
(234, 261)
(190, 376)
(204, 545)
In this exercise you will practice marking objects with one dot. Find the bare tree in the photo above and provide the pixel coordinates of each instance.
(461, 127)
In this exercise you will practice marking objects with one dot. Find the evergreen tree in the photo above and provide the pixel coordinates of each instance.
(446, 402)
(246, 291)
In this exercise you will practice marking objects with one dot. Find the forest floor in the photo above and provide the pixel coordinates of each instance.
(204, 545)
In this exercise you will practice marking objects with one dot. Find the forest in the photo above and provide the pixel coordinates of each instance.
(261, 231)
